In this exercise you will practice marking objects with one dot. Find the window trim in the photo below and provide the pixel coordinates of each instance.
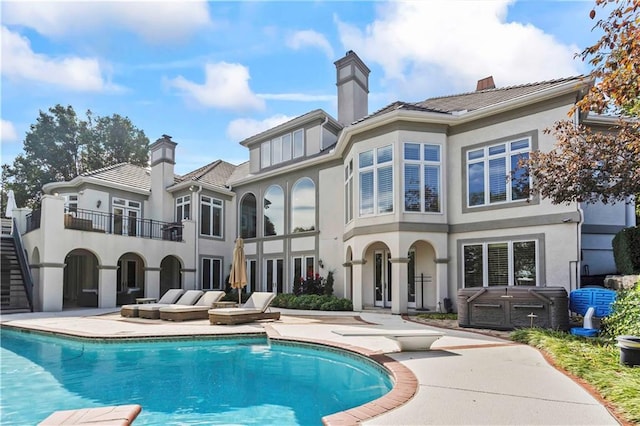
(510, 239)
(375, 169)
(212, 206)
(292, 206)
(272, 151)
(183, 201)
(532, 200)
(213, 259)
(422, 163)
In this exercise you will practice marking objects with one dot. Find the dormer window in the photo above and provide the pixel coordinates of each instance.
(282, 149)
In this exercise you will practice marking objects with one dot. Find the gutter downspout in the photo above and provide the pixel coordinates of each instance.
(194, 197)
(326, 120)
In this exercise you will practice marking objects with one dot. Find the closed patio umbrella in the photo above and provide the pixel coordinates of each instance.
(238, 276)
(11, 204)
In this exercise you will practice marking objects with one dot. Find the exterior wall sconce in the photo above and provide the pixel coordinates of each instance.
(99, 203)
(320, 264)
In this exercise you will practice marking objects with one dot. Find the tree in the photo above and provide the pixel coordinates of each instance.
(589, 165)
(60, 146)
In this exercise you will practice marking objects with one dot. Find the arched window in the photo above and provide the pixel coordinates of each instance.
(303, 206)
(273, 211)
(248, 216)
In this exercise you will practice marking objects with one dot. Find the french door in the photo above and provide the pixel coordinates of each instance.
(382, 278)
(274, 275)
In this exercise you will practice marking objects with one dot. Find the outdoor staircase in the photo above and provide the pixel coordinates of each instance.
(15, 281)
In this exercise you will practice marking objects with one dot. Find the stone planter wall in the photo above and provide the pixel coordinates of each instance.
(619, 282)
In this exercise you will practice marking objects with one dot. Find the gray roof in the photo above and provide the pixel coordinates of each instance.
(473, 100)
(215, 174)
(123, 174)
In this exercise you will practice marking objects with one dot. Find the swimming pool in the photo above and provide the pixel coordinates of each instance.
(244, 380)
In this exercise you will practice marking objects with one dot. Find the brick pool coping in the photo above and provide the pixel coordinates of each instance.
(405, 384)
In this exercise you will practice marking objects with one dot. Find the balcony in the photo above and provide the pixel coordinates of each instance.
(114, 224)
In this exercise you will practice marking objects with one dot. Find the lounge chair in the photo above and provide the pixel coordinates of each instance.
(152, 311)
(253, 310)
(171, 296)
(193, 312)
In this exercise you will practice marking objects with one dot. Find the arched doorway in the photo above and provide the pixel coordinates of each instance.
(421, 276)
(129, 279)
(170, 276)
(378, 292)
(80, 280)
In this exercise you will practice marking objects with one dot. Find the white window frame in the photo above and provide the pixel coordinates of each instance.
(348, 191)
(282, 149)
(484, 157)
(422, 164)
(212, 277)
(510, 261)
(214, 204)
(375, 168)
(181, 203)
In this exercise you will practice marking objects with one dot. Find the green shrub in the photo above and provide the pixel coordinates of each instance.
(625, 314)
(626, 250)
(312, 302)
(328, 284)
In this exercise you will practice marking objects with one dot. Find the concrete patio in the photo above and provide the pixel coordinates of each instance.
(467, 377)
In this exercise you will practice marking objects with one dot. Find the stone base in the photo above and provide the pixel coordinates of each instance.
(619, 282)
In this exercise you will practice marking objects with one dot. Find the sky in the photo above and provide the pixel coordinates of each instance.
(211, 74)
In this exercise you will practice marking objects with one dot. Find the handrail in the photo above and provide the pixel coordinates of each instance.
(111, 223)
(24, 266)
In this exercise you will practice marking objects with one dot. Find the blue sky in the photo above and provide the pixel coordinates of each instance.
(213, 73)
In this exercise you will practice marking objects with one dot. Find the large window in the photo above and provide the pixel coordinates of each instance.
(505, 263)
(376, 181)
(422, 178)
(183, 208)
(210, 216)
(348, 192)
(211, 274)
(248, 216)
(273, 212)
(303, 206)
(493, 175)
(282, 149)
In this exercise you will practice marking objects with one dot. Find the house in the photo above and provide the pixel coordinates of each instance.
(404, 205)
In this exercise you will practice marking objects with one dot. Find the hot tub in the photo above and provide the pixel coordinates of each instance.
(506, 308)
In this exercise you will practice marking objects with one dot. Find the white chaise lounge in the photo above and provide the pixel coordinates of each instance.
(171, 296)
(192, 312)
(152, 311)
(407, 340)
(253, 310)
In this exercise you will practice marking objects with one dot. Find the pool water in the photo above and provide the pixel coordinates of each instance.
(240, 381)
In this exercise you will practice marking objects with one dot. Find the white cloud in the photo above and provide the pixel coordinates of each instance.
(157, 22)
(242, 128)
(8, 131)
(226, 86)
(310, 38)
(20, 62)
(439, 46)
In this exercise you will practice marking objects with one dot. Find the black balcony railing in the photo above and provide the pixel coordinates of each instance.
(117, 224)
(33, 220)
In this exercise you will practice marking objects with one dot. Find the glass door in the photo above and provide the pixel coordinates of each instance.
(274, 271)
(411, 279)
(382, 278)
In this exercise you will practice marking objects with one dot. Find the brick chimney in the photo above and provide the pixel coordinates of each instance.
(485, 83)
(352, 80)
(163, 156)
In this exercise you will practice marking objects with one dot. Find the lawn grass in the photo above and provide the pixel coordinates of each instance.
(595, 361)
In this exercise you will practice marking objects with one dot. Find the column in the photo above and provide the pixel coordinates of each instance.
(399, 289)
(51, 286)
(356, 274)
(188, 278)
(442, 280)
(107, 286)
(152, 282)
